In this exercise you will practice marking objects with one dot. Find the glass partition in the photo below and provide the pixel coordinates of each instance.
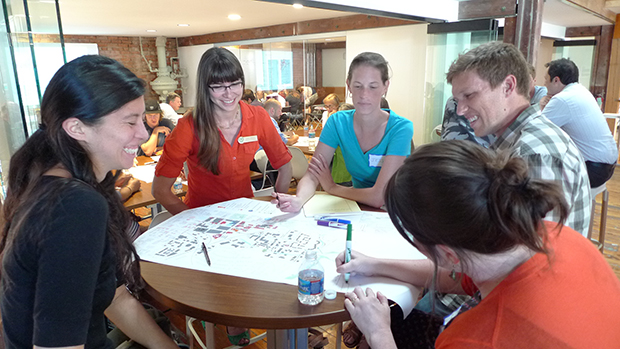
(301, 72)
(581, 52)
(20, 70)
(443, 48)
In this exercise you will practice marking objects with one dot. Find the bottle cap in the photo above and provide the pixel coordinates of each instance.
(330, 294)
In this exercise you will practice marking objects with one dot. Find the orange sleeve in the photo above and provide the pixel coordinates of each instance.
(177, 148)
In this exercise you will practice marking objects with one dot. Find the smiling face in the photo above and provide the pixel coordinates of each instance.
(152, 119)
(226, 95)
(482, 105)
(113, 142)
(367, 88)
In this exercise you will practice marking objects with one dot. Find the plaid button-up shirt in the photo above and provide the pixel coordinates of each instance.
(551, 154)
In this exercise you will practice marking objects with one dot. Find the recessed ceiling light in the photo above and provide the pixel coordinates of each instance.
(298, 6)
(182, 25)
(234, 17)
(151, 31)
(329, 39)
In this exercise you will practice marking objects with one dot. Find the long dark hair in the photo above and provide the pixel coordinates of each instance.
(88, 89)
(459, 194)
(216, 65)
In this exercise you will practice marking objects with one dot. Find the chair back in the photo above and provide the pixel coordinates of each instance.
(299, 162)
(160, 217)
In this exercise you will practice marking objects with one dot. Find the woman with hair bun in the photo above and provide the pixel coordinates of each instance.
(478, 217)
(66, 256)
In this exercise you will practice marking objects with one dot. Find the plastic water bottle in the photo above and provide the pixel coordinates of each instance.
(311, 279)
(178, 186)
(306, 130)
(312, 139)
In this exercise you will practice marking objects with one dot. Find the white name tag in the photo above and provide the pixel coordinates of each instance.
(375, 160)
(248, 139)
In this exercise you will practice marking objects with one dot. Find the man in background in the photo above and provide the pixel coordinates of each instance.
(573, 108)
(274, 109)
(169, 109)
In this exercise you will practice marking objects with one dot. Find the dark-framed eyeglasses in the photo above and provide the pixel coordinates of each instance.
(221, 88)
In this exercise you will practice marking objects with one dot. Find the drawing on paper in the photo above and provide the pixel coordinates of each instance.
(273, 242)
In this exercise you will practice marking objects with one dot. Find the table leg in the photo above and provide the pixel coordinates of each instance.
(277, 339)
(209, 335)
(301, 339)
(339, 335)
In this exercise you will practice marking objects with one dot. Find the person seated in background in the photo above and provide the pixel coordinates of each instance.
(455, 126)
(157, 127)
(249, 98)
(293, 98)
(274, 109)
(374, 142)
(169, 109)
(572, 107)
(126, 186)
(332, 103)
(260, 95)
(536, 92)
(529, 277)
(277, 97)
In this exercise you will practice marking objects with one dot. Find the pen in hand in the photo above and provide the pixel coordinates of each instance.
(204, 251)
(347, 251)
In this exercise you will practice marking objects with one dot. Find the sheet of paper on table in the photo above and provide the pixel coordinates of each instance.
(253, 239)
(325, 204)
(144, 173)
(303, 141)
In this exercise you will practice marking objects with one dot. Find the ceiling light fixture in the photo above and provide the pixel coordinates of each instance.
(298, 6)
(182, 25)
(234, 17)
(151, 31)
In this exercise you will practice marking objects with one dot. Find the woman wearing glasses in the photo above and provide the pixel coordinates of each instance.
(218, 139)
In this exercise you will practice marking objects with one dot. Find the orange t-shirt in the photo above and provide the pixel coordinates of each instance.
(205, 188)
(571, 300)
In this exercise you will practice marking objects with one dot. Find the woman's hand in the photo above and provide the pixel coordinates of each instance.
(133, 184)
(359, 264)
(286, 203)
(319, 168)
(371, 314)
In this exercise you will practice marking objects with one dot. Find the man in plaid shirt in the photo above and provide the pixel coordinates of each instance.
(491, 85)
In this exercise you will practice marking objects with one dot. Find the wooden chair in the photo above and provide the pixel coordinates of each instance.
(603, 223)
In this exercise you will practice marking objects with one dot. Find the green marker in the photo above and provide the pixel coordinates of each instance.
(347, 250)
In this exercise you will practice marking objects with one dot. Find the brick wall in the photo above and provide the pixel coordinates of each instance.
(126, 50)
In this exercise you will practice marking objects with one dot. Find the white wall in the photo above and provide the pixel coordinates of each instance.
(334, 67)
(404, 47)
(189, 57)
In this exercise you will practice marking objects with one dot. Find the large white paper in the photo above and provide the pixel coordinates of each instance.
(252, 239)
(144, 173)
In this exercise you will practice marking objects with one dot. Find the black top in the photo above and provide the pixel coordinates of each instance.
(161, 138)
(59, 273)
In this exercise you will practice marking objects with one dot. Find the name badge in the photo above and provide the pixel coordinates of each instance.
(375, 160)
(248, 139)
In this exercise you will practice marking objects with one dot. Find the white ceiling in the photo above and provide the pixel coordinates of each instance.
(134, 17)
